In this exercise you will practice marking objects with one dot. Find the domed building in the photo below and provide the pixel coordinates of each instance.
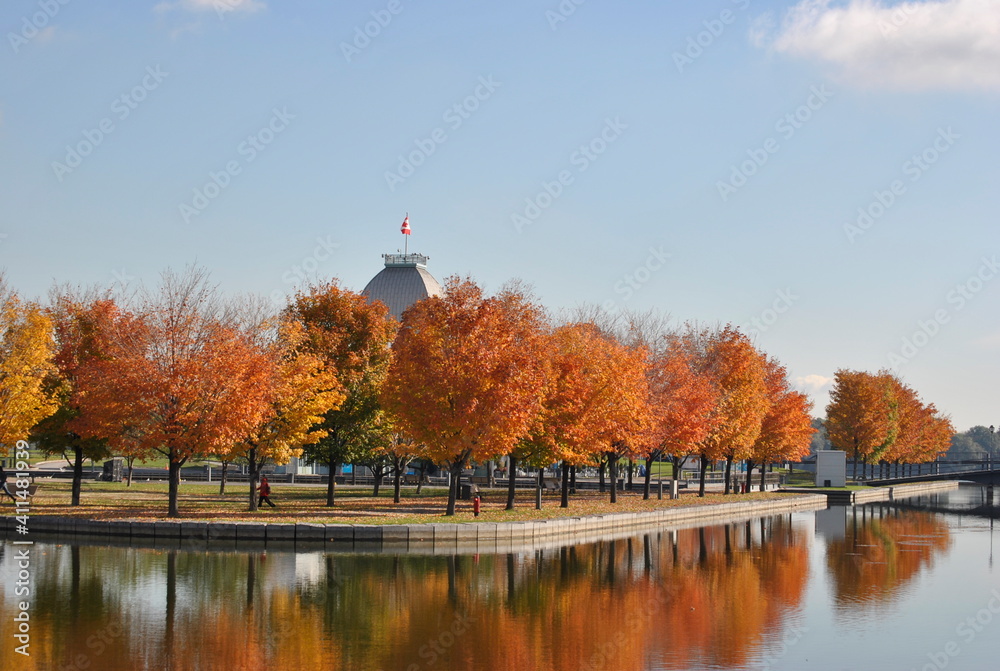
(403, 281)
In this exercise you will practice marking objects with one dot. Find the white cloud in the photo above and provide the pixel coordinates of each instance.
(813, 384)
(218, 6)
(910, 46)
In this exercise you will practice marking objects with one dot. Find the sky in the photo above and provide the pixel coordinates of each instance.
(821, 173)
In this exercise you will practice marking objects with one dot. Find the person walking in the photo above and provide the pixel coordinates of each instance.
(265, 492)
(3, 484)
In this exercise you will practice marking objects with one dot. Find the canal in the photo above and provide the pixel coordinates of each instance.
(903, 585)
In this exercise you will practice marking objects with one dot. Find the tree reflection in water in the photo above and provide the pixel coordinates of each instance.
(672, 599)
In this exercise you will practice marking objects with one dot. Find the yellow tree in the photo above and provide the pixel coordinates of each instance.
(301, 390)
(466, 374)
(786, 430)
(26, 361)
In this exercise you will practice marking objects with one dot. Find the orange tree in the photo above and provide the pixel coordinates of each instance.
(351, 337)
(863, 414)
(466, 374)
(786, 431)
(80, 322)
(176, 377)
(26, 352)
(736, 371)
(681, 404)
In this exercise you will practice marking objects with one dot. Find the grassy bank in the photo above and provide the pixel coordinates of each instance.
(198, 502)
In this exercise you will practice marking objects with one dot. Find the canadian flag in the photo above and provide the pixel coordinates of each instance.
(405, 230)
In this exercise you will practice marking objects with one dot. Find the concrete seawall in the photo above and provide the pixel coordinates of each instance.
(848, 497)
(421, 538)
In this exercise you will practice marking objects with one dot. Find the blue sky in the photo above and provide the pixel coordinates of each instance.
(823, 173)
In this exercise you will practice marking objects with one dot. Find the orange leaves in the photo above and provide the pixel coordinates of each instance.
(877, 417)
(467, 372)
(786, 430)
(736, 371)
(682, 401)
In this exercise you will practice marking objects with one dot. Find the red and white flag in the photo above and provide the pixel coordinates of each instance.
(405, 230)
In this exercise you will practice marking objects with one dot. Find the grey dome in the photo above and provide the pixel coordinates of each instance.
(402, 282)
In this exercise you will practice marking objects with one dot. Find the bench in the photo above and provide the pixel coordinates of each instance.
(551, 485)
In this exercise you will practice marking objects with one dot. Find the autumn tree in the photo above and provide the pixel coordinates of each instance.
(352, 338)
(301, 391)
(178, 377)
(862, 416)
(681, 404)
(736, 371)
(81, 320)
(786, 430)
(466, 374)
(26, 363)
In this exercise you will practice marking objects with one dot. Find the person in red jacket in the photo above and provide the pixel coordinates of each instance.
(265, 492)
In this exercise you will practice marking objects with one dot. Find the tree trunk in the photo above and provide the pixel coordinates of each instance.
(538, 488)
(420, 476)
(572, 479)
(701, 476)
(331, 485)
(174, 485)
(253, 469)
(397, 480)
(729, 474)
(600, 473)
(511, 471)
(131, 461)
(77, 475)
(456, 474)
(564, 502)
(378, 475)
(613, 470)
(631, 467)
(675, 472)
(649, 476)
(222, 480)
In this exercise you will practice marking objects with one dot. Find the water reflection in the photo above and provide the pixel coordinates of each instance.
(674, 600)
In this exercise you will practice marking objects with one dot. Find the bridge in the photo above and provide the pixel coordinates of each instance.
(981, 476)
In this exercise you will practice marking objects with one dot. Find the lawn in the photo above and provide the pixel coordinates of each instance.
(202, 502)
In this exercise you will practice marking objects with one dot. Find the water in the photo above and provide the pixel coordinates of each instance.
(872, 587)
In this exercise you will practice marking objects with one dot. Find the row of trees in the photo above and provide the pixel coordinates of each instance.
(465, 378)
(878, 419)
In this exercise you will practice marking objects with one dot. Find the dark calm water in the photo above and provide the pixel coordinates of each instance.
(873, 587)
